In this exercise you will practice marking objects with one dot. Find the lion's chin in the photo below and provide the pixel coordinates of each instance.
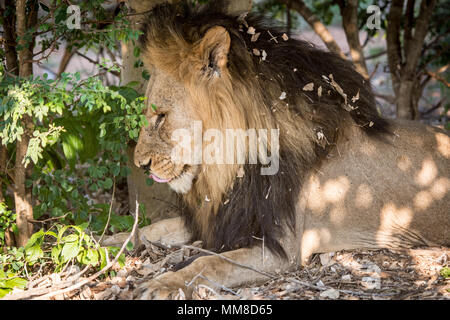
(183, 183)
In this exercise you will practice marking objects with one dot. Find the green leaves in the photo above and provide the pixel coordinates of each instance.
(79, 125)
(7, 222)
(445, 272)
(8, 281)
(70, 250)
(33, 247)
(69, 243)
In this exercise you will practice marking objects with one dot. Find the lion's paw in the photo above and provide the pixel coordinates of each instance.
(164, 287)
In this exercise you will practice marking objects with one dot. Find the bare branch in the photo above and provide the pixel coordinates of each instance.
(349, 13)
(319, 28)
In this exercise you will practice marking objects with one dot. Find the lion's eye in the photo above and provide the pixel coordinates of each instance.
(159, 120)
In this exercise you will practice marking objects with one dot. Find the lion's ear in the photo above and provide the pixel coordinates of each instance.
(213, 49)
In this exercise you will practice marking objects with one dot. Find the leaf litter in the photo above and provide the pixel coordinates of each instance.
(348, 275)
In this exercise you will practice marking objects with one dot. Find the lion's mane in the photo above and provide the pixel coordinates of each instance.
(244, 211)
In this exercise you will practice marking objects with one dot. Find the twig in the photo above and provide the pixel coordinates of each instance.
(438, 77)
(221, 286)
(115, 73)
(210, 289)
(49, 219)
(109, 213)
(374, 71)
(376, 55)
(39, 291)
(308, 285)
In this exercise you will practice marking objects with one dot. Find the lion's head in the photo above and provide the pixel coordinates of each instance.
(241, 73)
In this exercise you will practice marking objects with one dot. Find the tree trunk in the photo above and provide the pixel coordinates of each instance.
(22, 194)
(9, 28)
(404, 100)
(403, 61)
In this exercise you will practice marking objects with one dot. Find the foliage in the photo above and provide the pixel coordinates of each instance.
(7, 219)
(69, 244)
(445, 272)
(435, 52)
(79, 128)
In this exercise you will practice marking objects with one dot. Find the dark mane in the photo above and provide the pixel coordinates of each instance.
(258, 206)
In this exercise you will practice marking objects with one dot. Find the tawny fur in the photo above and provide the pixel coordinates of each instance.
(370, 183)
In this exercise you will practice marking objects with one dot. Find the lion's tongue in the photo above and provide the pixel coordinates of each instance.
(157, 179)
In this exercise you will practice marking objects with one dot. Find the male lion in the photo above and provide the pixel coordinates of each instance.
(347, 178)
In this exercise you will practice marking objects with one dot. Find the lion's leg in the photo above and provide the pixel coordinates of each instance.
(214, 272)
(168, 232)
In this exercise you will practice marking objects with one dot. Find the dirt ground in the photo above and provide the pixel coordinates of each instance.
(347, 275)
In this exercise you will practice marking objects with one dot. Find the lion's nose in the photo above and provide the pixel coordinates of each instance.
(144, 166)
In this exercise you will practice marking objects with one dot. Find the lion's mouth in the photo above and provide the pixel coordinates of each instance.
(161, 180)
(158, 179)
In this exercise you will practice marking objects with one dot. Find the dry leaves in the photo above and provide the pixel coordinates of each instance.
(255, 37)
(309, 87)
(356, 98)
(264, 55)
(251, 30)
(241, 172)
(346, 105)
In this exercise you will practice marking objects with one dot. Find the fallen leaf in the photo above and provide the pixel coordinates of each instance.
(256, 52)
(325, 258)
(330, 294)
(309, 87)
(355, 98)
(371, 283)
(255, 37)
(319, 91)
(251, 30)
(264, 55)
(241, 172)
(346, 277)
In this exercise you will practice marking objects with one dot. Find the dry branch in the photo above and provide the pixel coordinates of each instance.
(319, 28)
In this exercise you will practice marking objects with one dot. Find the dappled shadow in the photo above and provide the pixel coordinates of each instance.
(362, 274)
(377, 195)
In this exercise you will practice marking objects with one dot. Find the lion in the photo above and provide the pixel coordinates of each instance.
(347, 177)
